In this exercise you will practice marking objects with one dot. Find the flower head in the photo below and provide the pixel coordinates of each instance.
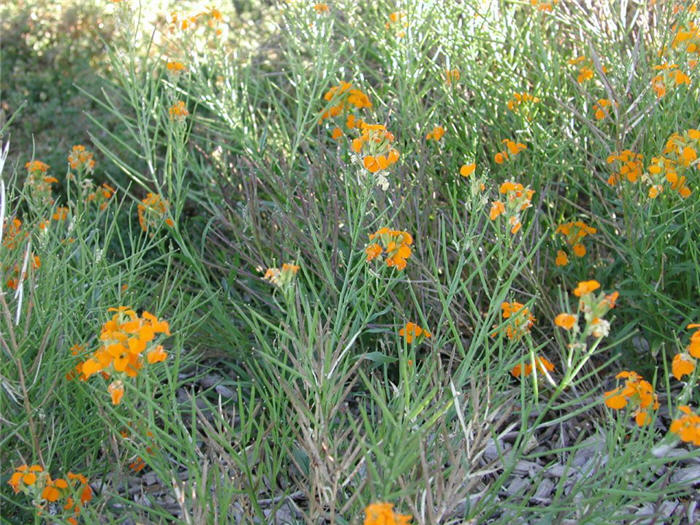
(636, 393)
(383, 514)
(394, 244)
(178, 111)
(152, 212)
(687, 426)
(412, 331)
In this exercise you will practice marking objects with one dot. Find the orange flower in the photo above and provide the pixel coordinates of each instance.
(586, 287)
(451, 76)
(436, 134)
(156, 355)
(178, 111)
(682, 365)
(543, 364)
(321, 7)
(467, 169)
(337, 133)
(687, 426)
(282, 278)
(383, 514)
(497, 208)
(36, 166)
(116, 390)
(566, 321)
(412, 331)
(562, 259)
(373, 251)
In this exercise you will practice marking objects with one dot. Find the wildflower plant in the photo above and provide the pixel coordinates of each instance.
(517, 199)
(636, 394)
(125, 339)
(573, 233)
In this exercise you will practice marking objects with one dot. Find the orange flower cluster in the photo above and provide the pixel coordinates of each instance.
(687, 426)
(376, 141)
(12, 233)
(684, 363)
(670, 75)
(101, 196)
(345, 97)
(679, 157)
(544, 6)
(124, 340)
(412, 331)
(521, 320)
(81, 159)
(521, 99)
(452, 76)
(153, 211)
(16, 275)
(436, 134)
(628, 164)
(637, 394)
(512, 149)
(517, 199)
(600, 110)
(687, 39)
(178, 111)
(213, 18)
(38, 182)
(543, 365)
(573, 233)
(383, 514)
(395, 244)
(71, 494)
(585, 68)
(321, 7)
(593, 308)
(175, 68)
(396, 19)
(281, 278)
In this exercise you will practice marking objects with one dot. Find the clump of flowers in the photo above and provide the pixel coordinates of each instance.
(517, 199)
(321, 7)
(99, 196)
(687, 426)
(573, 233)
(512, 149)
(175, 68)
(544, 6)
(153, 211)
(81, 159)
(178, 111)
(435, 134)
(520, 320)
(344, 98)
(12, 233)
(452, 76)
(687, 39)
(542, 364)
(39, 183)
(397, 22)
(71, 493)
(628, 164)
(600, 108)
(668, 76)
(593, 307)
(374, 145)
(412, 332)
(521, 100)
(281, 277)
(584, 68)
(124, 340)
(636, 394)
(684, 363)
(394, 244)
(675, 164)
(211, 18)
(383, 514)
